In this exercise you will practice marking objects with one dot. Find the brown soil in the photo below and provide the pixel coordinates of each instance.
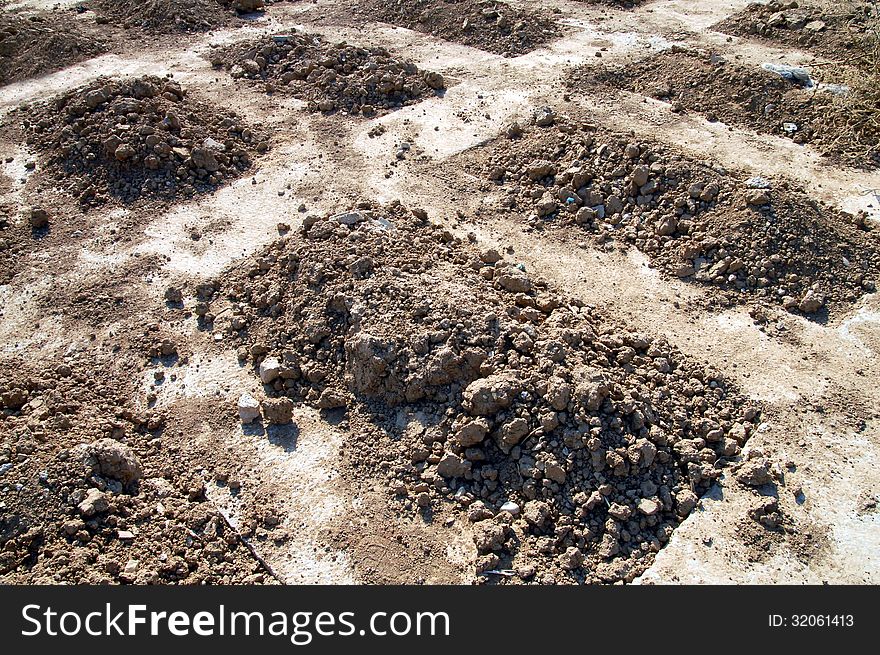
(104, 494)
(838, 30)
(484, 389)
(751, 240)
(35, 43)
(499, 388)
(743, 96)
(139, 138)
(493, 26)
(330, 77)
(165, 15)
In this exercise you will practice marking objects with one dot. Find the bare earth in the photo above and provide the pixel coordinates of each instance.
(92, 347)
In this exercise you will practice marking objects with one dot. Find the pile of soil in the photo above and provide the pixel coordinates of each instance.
(493, 26)
(623, 4)
(36, 43)
(573, 446)
(171, 15)
(838, 33)
(748, 97)
(330, 77)
(744, 237)
(95, 492)
(137, 138)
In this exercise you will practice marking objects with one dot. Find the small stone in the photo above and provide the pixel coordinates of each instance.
(39, 218)
(116, 460)
(544, 117)
(95, 502)
(278, 410)
(648, 507)
(452, 466)
(811, 302)
(248, 408)
(755, 472)
(511, 508)
(270, 369)
(621, 512)
(758, 197)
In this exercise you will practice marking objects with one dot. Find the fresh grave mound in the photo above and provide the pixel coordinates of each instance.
(171, 15)
(329, 76)
(34, 44)
(623, 4)
(841, 30)
(573, 446)
(702, 223)
(138, 138)
(93, 493)
(493, 26)
(751, 97)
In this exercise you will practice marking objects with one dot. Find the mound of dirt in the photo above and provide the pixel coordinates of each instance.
(839, 33)
(171, 15)
(749, 97)
(330, 77)
(493, 26)
(99, 496)
(573, 446)
(138, 138)
(38, 43)
(696, 222)
(623, 4)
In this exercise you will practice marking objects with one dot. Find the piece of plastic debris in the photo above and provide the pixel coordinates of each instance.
(794, 74)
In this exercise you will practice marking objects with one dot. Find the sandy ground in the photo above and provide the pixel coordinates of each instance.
(819, 382)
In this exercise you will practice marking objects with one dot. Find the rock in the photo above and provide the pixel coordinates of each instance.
(758, 197)
(620, 512)
(513, 279)
(641, 175)
(116, 460)
(540, 168)
(686, 500)
(331, 399)
(648, 507)
(95, 502)
(130, 571)
(173, 295)
(490, 395)
(204, 158)
(39, 218)
(125, 152)
(536, 513)
(278, 410)
(490, 256)
(248, 408)
(544, 117)
(811, 302)
(71, 527)
(435, 80)
(270, 370)
(571, 559)
(488, 537)
(755, 472)
(350, 218)
(555, 473)
(512, 433)
(452, 466)
(246, 6)
(511, 508)
(472, 433)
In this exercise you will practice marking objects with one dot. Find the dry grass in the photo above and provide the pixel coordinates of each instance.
(858, 112)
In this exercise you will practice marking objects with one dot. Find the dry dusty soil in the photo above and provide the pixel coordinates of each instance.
(487, 292)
